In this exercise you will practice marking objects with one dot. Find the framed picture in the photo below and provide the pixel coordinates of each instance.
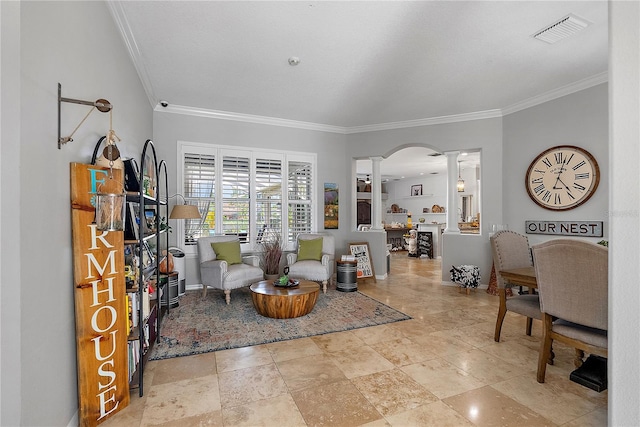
(147, 256)
(361, 252)
(416, 190)
(330, 205)
(150, 220)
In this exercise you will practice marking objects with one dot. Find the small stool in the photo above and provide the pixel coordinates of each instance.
(466, 276)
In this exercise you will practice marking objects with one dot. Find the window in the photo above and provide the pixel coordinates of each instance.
(240, 191)
(199, 189)
(300, 198)
(236, 180)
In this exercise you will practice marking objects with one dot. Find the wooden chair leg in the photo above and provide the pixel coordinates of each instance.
(204, 290)
(529, 325)
(227, 296)
(324, 286)
(545, 347)
(579, 358)
(502, 312)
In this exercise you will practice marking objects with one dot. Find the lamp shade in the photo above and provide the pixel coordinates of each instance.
(185, 212)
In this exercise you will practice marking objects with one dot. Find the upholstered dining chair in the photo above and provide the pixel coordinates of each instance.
(223, 267)
(511, 250)
(572, 278)
(313, 258)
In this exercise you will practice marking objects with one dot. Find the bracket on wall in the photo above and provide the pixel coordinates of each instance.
(101, 105)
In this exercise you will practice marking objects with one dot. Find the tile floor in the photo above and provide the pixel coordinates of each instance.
(442, 368)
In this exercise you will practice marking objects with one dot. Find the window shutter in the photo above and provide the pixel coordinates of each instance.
(236, 181)
(268, 197)
(299, 195)
(199, 190)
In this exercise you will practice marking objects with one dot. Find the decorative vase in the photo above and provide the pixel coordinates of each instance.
(271, 277)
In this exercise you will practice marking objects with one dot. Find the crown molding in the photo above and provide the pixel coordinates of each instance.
(557, 93)
(248, 118)
(120, 19)
(489, 114)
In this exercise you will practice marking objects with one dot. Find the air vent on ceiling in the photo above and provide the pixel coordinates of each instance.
(566, 27)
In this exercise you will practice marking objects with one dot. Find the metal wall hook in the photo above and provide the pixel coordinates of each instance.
(101, 105)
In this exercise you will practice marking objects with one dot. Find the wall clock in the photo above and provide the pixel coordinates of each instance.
(562, 177)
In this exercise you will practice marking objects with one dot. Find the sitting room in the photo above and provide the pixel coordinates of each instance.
(256, 115)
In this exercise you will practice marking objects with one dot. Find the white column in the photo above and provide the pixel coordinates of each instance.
(452, 192)
(376, 194)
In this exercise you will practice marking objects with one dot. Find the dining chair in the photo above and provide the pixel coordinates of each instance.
(572, 278)
(511, 250)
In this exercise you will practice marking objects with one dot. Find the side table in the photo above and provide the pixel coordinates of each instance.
(346, 276)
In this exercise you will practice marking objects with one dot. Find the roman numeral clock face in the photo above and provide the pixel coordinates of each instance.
(562, 177)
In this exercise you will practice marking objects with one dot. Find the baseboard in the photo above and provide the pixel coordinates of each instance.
(74, 420)
(193, 287)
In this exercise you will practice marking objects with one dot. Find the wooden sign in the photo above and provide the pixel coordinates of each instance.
(364, 268)
(565, 228)
(100, 305)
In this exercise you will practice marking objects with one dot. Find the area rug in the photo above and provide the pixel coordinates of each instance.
(201, 325)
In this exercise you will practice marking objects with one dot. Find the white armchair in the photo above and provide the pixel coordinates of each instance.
(226, 275)
(312, 260)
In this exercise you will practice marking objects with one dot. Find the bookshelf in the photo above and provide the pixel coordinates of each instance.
(116, 285)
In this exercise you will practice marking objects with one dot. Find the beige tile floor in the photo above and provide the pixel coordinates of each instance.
(442, 368)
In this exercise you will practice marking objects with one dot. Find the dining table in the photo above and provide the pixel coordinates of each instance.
(522, 276)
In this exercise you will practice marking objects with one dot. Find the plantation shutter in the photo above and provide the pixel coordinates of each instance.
(236, 183)
(299, 198)
(268, 184)
(199, 190)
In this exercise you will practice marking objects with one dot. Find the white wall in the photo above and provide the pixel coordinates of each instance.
(76, 44)
(579, 119)
(434, 190)
(624, 250)
(10, 242)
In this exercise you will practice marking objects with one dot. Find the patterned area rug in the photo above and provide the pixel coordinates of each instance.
(200, 325)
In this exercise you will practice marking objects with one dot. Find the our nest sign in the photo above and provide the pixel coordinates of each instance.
(100, 304)
(565, 228)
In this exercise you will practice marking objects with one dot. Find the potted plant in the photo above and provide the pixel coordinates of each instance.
(272, 249)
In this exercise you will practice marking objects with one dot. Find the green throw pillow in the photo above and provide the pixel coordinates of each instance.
(310, 249)
(228, 251)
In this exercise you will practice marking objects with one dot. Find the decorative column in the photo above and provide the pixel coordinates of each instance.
(452, 192)
(376, 194)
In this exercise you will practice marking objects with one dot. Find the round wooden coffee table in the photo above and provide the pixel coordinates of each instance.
(284, 303)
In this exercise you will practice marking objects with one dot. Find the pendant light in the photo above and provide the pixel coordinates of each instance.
(460, 180)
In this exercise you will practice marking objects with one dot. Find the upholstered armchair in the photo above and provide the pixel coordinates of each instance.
(313, 258)
(511, 250)
(223, 267)
(572, 277)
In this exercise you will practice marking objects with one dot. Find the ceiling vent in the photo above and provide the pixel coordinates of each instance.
(566, 27)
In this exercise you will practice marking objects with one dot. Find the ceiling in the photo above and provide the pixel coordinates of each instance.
(362, 65)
